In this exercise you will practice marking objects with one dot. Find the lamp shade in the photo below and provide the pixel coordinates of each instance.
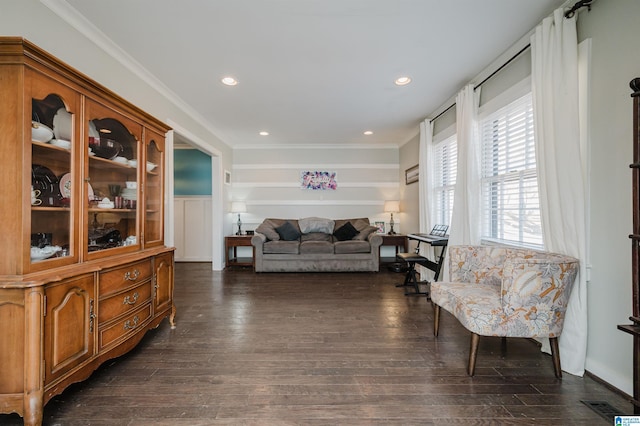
(392, 206)
(238, 207)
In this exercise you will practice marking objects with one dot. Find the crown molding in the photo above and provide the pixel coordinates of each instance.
(85, 27)
(310, 146)
(297, 185)
(316, 166)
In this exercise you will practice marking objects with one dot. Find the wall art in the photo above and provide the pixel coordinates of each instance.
(411, 175)
(318, 180)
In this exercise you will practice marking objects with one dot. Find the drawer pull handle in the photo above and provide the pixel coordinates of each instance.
(132, 276)
(129, 301)
(92, 316)
(129, 326)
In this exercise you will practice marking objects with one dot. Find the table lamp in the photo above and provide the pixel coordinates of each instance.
(392, 207)
(238, 207)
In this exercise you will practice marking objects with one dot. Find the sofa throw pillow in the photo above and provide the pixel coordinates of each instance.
(268, 229)
(345, 232)
(364, 233)
(288, 232)
(316, 224)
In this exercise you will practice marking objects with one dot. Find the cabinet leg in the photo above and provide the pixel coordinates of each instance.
(172, 317)
(33, 409)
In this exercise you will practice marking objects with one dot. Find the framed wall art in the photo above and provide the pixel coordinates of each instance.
(411, 174)
(318, 180)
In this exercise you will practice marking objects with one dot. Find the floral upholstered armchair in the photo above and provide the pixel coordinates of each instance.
(506, 292)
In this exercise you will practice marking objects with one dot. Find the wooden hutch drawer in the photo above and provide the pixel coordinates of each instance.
(124, 276)
(127, 325)
(119, 303)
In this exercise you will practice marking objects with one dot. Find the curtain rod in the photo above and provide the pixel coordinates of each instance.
(582, 3)
(568, 14)
(500, 68)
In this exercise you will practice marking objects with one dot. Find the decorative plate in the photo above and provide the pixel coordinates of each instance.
(44, 180)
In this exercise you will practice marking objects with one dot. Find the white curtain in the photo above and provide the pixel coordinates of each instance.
(465, 216)
(426, 184)
(465, 223)
(561, 174)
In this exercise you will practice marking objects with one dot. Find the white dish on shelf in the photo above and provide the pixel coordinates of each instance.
(133, 163)
(93, 131)
(40, 132)
(62, 124)
(45, 252)
(106, 203)
(65, 185)
(121, 160)
(151, 166)
(61, 143)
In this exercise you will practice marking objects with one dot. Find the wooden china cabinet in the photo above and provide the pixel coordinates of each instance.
(84, 271)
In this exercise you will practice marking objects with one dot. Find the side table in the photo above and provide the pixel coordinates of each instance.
(397, 240)
(231, 244)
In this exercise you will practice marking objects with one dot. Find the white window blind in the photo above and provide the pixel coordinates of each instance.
(445, 162)
(511, 208)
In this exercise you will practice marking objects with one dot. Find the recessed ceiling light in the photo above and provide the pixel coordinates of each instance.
(401, 81)
(263, 133)
(229, 81)
(368, 132)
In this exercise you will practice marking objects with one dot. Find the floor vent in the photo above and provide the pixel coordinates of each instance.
(606, 410)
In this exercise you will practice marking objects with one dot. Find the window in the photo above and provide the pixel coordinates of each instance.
(445, 161)
(510, 203)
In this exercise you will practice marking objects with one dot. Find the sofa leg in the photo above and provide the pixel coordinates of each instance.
(473, 354)
(436, 319)
(555, 356)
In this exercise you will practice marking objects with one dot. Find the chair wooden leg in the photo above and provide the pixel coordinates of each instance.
(555, 356)
(473, 353)
(436, 319)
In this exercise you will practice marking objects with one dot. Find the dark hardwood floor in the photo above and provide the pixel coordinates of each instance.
(320, 349)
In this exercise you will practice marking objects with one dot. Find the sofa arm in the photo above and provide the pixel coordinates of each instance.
(258, 240)
(375, 240)
(536, 291)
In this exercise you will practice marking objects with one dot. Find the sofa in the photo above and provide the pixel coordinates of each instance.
(316, 244)
(506, 292)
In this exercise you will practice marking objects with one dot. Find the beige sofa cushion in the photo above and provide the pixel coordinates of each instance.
(352, 246)
(316, 247)
(281, 247)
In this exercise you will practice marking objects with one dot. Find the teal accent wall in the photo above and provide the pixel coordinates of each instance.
(192, 172)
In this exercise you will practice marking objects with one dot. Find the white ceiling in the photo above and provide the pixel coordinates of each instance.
(314, 71)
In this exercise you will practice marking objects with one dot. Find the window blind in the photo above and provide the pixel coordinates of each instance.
(510, 202)
(445, 162)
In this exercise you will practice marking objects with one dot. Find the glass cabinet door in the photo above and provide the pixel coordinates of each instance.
(53, 194)
(113, 146)
(154, 189)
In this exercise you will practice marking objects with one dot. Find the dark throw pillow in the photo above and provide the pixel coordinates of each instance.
(345, 232)
(288, 232)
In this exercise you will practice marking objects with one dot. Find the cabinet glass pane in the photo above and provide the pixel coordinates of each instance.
(153, 194)
(112, 185)
(51, 178)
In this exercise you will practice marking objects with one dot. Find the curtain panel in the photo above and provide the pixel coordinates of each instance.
(425, 189)
(561, 176)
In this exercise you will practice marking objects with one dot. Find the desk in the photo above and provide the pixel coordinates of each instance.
(231, 243)
(397, 240)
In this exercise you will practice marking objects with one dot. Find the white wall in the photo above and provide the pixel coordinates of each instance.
(614, 30)
(268, 180)
(409, 195)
